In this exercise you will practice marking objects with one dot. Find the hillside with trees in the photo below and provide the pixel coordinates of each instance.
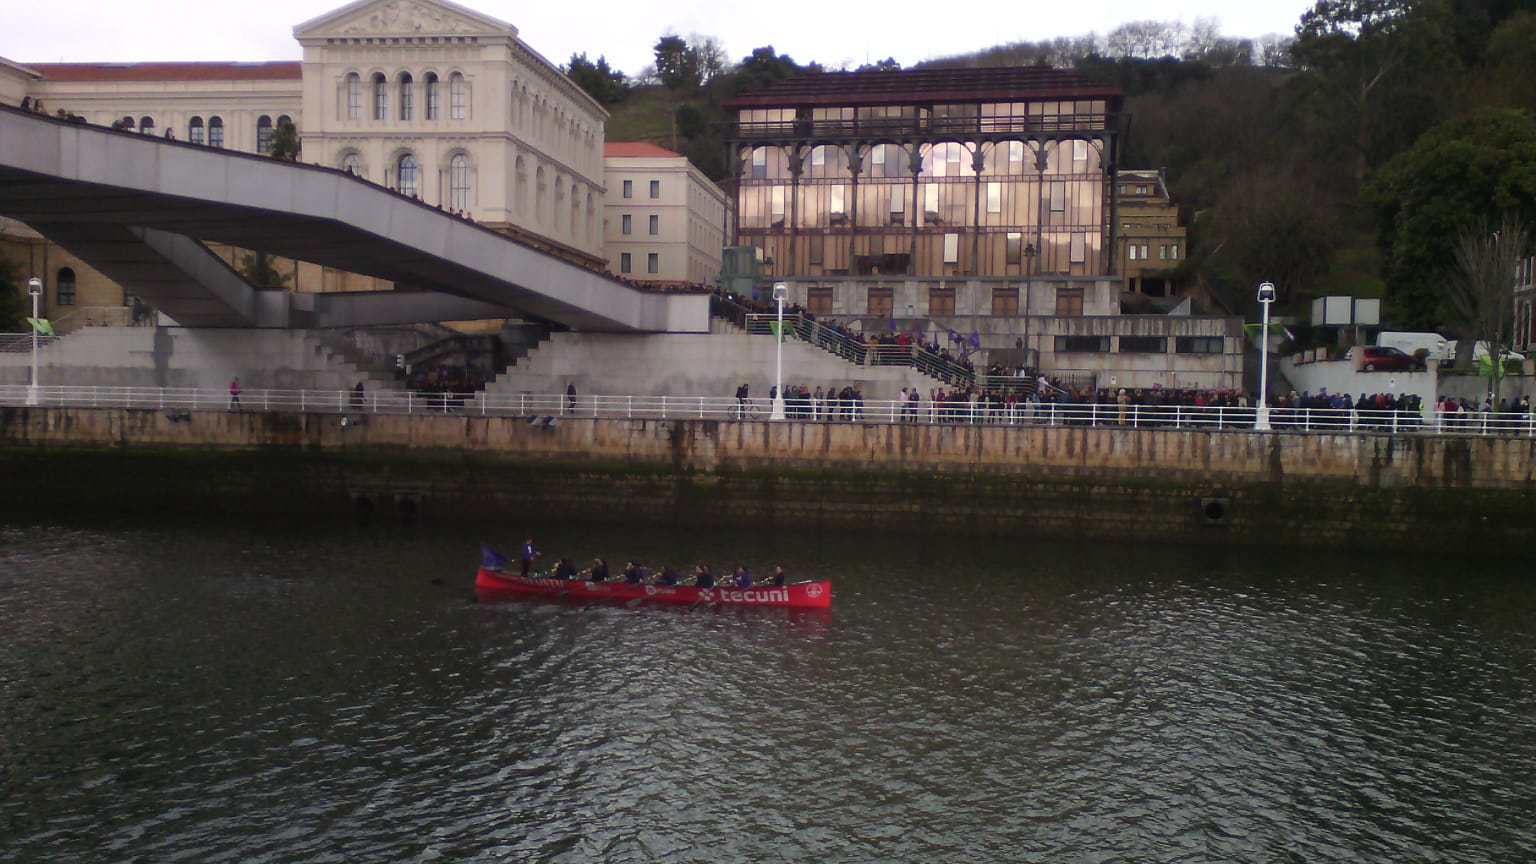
(1350, 157)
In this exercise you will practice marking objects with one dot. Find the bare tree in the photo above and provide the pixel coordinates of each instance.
(1479, 293)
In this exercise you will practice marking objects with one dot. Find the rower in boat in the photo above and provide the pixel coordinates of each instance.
(703, 576)
(599, 571)
(668, 576)
(564, 569)
(778, 576)
(634, 573)
(742, 577)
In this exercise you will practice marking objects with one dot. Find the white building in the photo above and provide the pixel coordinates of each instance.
(665, 219)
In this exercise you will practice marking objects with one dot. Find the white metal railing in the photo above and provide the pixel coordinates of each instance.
(798, 408)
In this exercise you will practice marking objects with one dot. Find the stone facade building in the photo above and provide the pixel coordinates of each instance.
(665, 220)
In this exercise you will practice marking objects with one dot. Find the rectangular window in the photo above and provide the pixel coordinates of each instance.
(1143, 344)
(458, 97)
(814, 246)
(1069, 302)
(1082, 344)
(1079, 248)
(759, 164)
(994, 197)
(1058, 197)
(776, 205)
(626, 223)
(951, 248)
(1015, 248)
(930, 199)
(898, 200)
(1173, 252)
(880, 302)
(819, 300)
(1079, 150)
(877, 161)
(655, 224)
(623, 262)
(655, 188)
(629, 188)
(1199, 345)
(941, 301)
(836, 200)
(653, 263)
(1005, 301)
(1162, 251)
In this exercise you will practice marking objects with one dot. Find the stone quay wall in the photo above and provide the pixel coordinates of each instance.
(1227, 487)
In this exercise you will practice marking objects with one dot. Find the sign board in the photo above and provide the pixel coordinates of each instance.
(1368, 311)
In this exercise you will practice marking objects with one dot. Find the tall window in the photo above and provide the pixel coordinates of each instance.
(380, 98)
(626, 224)
(64, 287)
(195, 130)
(653, 263)
(458, 182)
(655, 188)
(407, 175)
(655, 224)
(629, 188)
(264, 134)
(215, 132)
(351, 164)
(434, 100)
(458, 97)
(407, 96)
(354, 96)
(624, 262)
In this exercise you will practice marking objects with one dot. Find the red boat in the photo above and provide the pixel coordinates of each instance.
(800, 595)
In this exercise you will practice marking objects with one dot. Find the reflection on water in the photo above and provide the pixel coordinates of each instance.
(285, 691)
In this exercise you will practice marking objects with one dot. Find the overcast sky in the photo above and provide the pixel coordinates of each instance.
(833, 33)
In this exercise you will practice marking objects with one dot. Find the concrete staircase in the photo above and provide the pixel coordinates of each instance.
(691, 364)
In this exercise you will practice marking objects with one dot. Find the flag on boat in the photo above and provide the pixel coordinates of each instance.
(490, 559)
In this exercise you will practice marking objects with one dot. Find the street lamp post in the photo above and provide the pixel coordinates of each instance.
(1261, 416)
(776, 412)
(35, 288)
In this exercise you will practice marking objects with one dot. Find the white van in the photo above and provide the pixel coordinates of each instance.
(1408, 342)
(1480, 350)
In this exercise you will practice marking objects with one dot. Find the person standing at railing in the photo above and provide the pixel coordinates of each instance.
(818, 412)
(570, 397)
(234, 393)
(741, 401)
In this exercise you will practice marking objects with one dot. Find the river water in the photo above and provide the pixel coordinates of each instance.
(261, 690)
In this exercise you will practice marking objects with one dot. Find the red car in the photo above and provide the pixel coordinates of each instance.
(1375, 358)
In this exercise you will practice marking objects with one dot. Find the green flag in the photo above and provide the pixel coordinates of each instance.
(42, 326)
(1487, 368)
(774, 325)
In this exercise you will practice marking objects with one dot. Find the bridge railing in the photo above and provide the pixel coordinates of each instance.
(542, 406)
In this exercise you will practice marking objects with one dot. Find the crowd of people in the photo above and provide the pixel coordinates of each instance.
(637, 573)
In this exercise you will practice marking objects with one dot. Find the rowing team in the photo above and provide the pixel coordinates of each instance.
(635, 573)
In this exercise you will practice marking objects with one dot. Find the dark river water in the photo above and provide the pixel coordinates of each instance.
(221, 690)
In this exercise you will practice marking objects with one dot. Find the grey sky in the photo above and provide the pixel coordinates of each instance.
(832, 33)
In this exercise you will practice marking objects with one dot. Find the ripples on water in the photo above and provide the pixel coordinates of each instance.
(284, 692)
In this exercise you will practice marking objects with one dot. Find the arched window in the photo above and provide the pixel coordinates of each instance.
(146, 125)
(380, 98)
(264, 135)
(354, 96)
(351, 164)
(458, 97)
(64, 287)
(126, 123)
(434, 99)
(407, 175)
(215, 132)
(458, 183)
(195, 130)
(575, 208)
(407, 96)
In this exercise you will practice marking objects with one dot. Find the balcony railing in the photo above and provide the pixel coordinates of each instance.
(544, 407)
(878, 127)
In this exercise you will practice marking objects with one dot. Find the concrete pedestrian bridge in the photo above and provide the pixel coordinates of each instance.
(138, 208)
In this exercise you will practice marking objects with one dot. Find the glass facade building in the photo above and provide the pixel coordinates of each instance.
(950, 172)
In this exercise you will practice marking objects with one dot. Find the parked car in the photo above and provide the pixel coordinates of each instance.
(1378, 358)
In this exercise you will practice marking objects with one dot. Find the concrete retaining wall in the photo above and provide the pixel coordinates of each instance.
(1203, 487)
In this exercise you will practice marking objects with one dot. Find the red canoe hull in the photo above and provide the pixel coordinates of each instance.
(801, 595)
